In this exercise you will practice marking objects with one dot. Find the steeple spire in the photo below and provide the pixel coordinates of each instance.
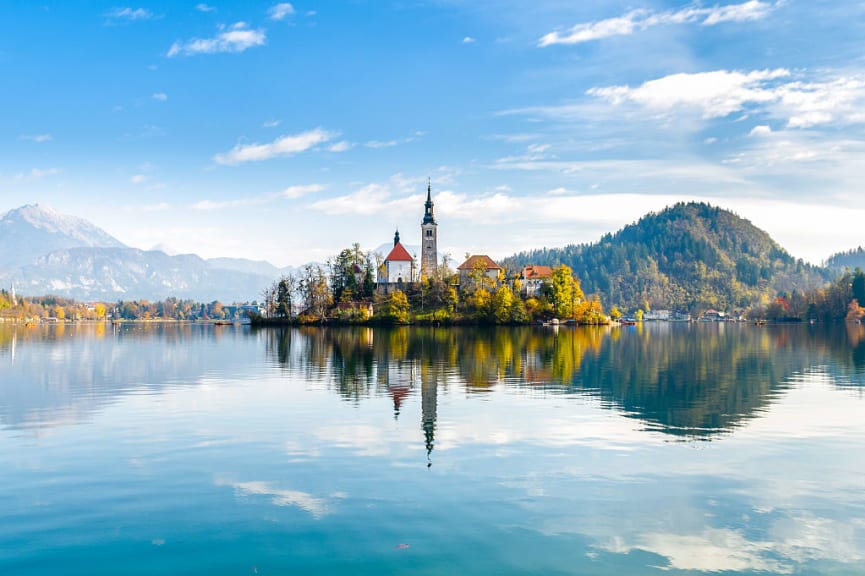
(396, 237)
(429, 216)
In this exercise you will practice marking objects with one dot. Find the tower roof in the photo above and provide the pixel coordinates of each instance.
(429, 216)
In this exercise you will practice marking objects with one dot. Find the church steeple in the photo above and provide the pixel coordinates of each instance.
(396, 237)
(429, 217)
(429, 237)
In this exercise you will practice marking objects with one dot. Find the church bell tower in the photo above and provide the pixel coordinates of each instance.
(429, 237)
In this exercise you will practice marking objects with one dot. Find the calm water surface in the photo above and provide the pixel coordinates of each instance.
(664, 449)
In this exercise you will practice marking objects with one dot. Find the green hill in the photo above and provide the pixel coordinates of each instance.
(691, 256)
(851, 259)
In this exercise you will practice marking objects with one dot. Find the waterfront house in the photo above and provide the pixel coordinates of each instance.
(532, 279)
(712, 315)
(478, 263)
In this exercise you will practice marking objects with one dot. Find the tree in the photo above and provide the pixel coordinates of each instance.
(396, 307)
(100, 310)
(503, 302)
(565, 292)
(858, 285)
(519, 314)
(316, 295)
(283, 299)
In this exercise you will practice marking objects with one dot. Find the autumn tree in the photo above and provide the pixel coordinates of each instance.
(565, 292)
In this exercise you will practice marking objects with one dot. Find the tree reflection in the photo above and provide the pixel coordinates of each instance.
(689, 380)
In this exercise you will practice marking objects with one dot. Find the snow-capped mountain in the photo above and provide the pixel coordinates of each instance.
(31, 231)
(45, 252)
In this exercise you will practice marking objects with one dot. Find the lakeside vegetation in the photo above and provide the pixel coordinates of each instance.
(345, 292)
(55, 308)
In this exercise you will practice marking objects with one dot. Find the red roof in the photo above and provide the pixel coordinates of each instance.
(473, 260)
(398, 254)
(538, 272)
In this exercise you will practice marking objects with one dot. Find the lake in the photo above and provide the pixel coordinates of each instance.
(656, 449)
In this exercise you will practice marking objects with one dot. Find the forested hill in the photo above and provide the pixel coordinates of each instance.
(690, 256)
(851, 259)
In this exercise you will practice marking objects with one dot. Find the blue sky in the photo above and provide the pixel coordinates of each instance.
(287, 131)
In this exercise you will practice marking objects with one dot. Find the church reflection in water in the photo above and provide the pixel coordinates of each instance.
(688, 381)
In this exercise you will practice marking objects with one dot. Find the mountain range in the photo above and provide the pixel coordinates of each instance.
(44, 252)
(687, 256)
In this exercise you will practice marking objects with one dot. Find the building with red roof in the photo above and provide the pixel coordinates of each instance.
(533, 278)
(398, 267)
(478, 263)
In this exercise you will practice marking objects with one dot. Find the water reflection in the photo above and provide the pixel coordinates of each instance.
(499, 451)
(691, 381)
(64, 374)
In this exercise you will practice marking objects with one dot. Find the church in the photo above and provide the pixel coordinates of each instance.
(399, 267)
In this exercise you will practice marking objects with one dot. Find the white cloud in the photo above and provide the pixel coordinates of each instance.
(280, 11)
(130, 14)
(753, 10)
(377, 144)
(715, 94)
(282, 146)
(370, 199)
(293, 192)
(317, 507)
(160, 96)
(202, 7)
(638, 20)
(833, 100)
(340, 146)
(237, 38)
(138, 179)
(38, 138)
(271, 123)
(713, 550)
(760, 131)
(469, 40)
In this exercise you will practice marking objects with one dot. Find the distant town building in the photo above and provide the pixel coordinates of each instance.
(711, 315)
(657, 315)
(532, 279)
(666, 316)
(478, 262)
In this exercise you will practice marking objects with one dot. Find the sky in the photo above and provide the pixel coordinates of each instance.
(288, 131)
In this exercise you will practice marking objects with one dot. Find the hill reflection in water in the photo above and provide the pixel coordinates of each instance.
(694, 381)
(685, 380)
